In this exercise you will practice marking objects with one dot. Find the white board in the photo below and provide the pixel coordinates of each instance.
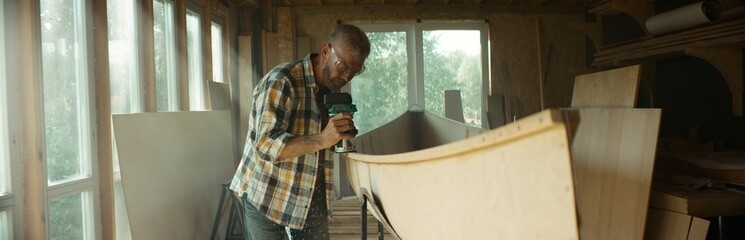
(172, 167)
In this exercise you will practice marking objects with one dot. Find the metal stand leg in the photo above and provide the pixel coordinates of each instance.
(380, 231)
(720, 227)
(218, 215)
(364, 218)
(235, 226)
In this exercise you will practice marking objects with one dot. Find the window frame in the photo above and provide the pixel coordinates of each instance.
(89, 185)
(415, 68)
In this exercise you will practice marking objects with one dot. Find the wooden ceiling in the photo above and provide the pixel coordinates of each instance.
(298, 3)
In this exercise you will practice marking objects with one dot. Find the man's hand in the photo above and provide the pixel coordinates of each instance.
(337, 128)
(332, 134)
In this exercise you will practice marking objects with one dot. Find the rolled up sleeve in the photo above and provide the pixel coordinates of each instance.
(273, 108)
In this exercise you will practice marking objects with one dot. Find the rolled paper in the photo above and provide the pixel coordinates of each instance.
(683, 17)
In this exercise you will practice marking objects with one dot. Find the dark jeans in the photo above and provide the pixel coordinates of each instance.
(258, 227)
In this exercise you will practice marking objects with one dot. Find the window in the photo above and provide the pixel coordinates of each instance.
(417, 63)
(73, 218)
(125, 92)
(123, 57)
(217, 53)
(66, 113)
(166, 81)
(194, 58)
(452, 61)
(6, 229)
(387, 62)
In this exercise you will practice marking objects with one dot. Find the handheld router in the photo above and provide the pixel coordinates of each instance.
(341, 103)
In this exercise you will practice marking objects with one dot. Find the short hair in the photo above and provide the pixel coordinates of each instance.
(351, 38)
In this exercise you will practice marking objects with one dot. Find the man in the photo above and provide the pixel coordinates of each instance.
(285, 174)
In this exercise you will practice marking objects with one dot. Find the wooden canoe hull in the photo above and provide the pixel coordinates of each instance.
(514, 182)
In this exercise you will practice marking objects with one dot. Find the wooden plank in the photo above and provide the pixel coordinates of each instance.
(172, 177)
(270, 50)
(453, 105)
(285, 34)
(613, 156)
(246, 73)
(303, 47)
(704, 203)
(33, 211)
(669, 225)
(615, 88)
(493, 184)
(699, 228)
(219, 96)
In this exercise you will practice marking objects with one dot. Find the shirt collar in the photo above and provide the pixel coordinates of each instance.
(310, 78)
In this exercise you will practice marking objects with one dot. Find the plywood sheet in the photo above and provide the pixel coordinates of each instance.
(433, 130)
(270, 51)
(219, 96)
(613, 157)
(667, 225)
(172, 167)
(494, 185)
(615, 88)
(454, 105)
(380, 142)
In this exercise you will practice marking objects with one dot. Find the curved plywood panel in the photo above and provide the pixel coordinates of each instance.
(514, 182)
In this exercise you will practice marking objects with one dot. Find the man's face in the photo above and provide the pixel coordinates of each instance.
(337, 72)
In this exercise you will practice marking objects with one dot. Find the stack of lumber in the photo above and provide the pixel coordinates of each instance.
(346, 223)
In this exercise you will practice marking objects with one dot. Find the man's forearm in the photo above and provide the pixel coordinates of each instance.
(298, 146)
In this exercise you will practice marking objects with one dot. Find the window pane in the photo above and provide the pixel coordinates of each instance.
(217, 53)
(452, 61)
(123, 58)
(194, 52)
(380, 103)
(65, 88)
(4, 142)
(70, 217)
(166, 84)
(6, 225)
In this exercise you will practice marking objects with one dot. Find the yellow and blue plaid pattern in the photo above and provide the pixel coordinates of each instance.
(284, 106)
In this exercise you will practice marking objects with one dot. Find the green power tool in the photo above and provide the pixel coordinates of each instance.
(341, 103)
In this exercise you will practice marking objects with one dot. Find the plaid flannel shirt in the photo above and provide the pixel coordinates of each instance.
(284, 107)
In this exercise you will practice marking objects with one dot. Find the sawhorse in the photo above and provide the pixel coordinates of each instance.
(234, 230)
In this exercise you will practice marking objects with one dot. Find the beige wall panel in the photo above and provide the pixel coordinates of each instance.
(613, 156)
(172, 166)
(616, 88)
